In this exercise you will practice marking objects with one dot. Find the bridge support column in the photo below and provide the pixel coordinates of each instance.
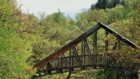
(95, 49)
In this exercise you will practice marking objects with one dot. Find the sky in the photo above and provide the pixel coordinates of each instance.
(68, 7)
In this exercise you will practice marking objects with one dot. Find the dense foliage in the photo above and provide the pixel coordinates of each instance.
(25, 39)
(102, 4)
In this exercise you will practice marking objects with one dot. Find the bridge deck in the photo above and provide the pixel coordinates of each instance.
(81, 62)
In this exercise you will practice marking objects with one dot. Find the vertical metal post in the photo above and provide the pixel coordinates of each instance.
(58, 64)
(61, 66)
(95, 47)
(72, 57)
(70, 54)
(83, 54)
(70, 60)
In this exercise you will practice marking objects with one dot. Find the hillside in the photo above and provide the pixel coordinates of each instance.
(25, 39)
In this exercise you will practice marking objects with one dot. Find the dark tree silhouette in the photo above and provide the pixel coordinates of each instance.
(102, 4)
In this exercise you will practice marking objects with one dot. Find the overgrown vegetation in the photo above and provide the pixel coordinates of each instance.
(25, 39)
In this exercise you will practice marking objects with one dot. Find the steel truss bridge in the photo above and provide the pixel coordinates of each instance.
(86, 51)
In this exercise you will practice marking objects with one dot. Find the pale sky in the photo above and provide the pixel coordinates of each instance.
(69, 7)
